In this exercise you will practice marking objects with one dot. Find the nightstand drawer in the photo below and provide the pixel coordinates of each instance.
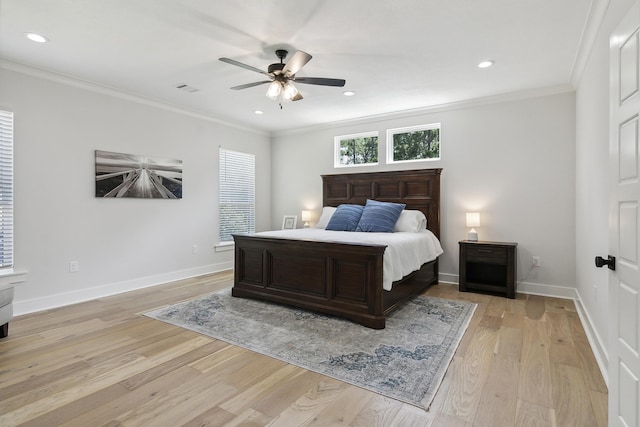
(486, 253)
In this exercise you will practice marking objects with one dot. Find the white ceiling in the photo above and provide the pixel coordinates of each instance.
(396, 55)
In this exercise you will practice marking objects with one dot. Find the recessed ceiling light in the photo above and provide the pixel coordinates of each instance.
(348, 93)
(486, 64)
(258, 112)
(38, 38)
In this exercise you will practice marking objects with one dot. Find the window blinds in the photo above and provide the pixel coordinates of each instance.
(6, 189)
(237, 194)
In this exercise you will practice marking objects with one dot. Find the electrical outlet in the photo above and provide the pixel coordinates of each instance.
(194, 249)
(74, 266)
(536, 261)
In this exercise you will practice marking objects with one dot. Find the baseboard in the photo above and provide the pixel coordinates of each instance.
(598, 347)
(547, 290)
(523, 287)
(448, 278)
(82, 295)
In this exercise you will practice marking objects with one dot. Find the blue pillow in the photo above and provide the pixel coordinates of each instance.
(379, 216)
(345, 218)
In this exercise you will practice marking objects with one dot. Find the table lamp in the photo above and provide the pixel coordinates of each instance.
(473, 220)
(306, 217)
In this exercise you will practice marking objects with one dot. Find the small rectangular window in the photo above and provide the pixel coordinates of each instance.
(237, 197)
(6, 189)
(415, 143)
(356, 150)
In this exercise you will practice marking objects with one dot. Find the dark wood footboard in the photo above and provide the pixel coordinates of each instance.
(334, 278)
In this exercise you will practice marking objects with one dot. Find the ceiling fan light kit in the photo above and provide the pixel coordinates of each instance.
(281, 76)
(274, 90)
(289, 92)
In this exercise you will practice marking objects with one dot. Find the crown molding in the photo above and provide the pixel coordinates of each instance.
(117, 93)
(132, 97)
(457, 105)
(596, 15)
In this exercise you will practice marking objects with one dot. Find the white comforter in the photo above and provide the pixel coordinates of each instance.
(405, 252)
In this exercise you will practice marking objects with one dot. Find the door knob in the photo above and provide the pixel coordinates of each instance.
(610, 262)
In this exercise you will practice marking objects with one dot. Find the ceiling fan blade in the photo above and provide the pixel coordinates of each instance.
(320, 81)
(296, 62)
(245, 66)
(244, 86)
(298, 97)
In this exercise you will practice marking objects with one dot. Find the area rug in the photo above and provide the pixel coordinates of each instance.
(405, 361)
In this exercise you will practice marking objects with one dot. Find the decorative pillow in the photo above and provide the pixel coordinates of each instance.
(345, 218)
(327, 212)
(379, 216)
(411, 221)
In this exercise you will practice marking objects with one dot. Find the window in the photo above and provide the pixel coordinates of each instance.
(416, 143)
(6, 189)
(237, 196)
(356, 150)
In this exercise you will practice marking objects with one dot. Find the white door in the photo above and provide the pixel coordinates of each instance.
(624, 282)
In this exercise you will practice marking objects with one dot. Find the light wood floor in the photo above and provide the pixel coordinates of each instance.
(522, 362)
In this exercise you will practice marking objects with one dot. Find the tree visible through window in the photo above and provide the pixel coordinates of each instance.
(237, 194)
(359, 149)
(414, 143)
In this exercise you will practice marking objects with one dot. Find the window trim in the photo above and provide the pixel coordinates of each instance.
(336, 148)
(409, 129)
(224, 246)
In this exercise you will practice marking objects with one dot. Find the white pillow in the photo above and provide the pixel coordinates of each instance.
(411, 220)
(327, 213)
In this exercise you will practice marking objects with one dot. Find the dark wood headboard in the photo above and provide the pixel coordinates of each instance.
(418, 189)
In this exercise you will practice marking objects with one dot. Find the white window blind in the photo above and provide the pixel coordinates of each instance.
(6, 189)
(237, 194)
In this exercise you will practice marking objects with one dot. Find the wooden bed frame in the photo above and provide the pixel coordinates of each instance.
(338, 278)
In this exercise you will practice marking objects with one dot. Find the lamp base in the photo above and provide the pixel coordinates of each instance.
(473, 235)
(306, 225)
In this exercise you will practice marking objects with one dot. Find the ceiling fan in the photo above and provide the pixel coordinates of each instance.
(281, 76)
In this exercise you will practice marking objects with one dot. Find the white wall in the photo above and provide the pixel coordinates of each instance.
(513, 161)
(592, 180)
(121, 244)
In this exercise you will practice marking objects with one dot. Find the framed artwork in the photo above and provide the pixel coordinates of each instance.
(289, 222)
(129, 175)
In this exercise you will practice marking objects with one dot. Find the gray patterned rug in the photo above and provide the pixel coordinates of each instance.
(405, 361)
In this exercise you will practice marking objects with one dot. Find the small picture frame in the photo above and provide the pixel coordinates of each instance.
(289, 222)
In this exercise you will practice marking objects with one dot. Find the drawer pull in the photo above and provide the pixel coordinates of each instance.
(485, 250)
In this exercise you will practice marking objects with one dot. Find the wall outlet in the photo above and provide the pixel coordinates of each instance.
(536, 261)
(194, 249)
(74, 266)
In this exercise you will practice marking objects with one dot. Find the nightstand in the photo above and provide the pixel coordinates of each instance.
(489, 267)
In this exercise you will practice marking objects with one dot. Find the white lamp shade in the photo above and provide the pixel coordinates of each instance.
(274, 90)
(289, 91)
(473, 219)
(306, 216)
